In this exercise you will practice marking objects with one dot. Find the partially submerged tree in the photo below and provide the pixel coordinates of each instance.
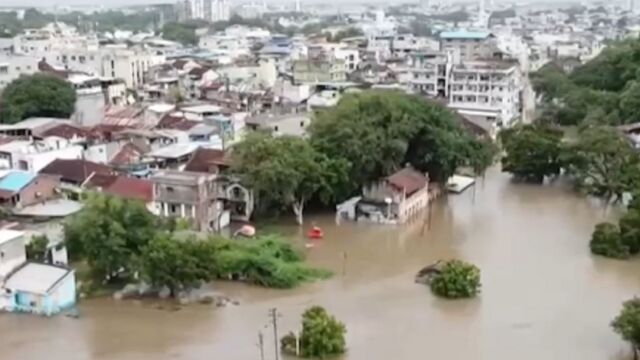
(378, 132)
(179, 264)
(607, 241)
(37, 95)
(110, 233)
(627, 324)
(603, 163)
(322, 335)
(532, 151)
(284, 171)
(456, 279)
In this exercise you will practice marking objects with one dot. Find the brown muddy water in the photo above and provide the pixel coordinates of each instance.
(544, 296)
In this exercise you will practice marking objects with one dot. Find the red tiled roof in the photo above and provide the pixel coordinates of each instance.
(65, 131)
(75, 171)
(205, 160)
(408, 180)
(128, 154)
(172, 121)
(131, 188)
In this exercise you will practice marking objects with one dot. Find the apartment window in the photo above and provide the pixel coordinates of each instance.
(301, 123)
(4, 69)
(484, 77)
(275, 128)
(28, 67)
(92, 58)
(73, 58)
(113, 64)
(170, 189)
(17, 68)
(82, 59)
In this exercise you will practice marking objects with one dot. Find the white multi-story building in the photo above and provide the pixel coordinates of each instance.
(210, 10)
(13, 66)
(487, 91)
(51, 38)
(128, 64)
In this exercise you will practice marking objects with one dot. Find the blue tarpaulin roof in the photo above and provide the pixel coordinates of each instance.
(15, 181)
(463, 34)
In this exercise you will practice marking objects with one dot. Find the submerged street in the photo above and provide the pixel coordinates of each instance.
(544, 296)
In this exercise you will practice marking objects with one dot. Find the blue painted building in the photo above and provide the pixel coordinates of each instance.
(41, 289)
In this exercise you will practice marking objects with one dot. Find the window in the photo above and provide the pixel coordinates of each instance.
(17, 68)
(82, 59)
(301, 123)
(275, 128)
(28, 67)
(4, 69)
(73, 58)
(170, 189)
(92, 58)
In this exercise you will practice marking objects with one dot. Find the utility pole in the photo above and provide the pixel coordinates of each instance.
(273, 313)
(261, 344)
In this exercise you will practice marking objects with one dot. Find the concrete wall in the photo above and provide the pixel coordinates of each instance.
(14, 255)
(89, 107)
(40, 189)
(35, 162)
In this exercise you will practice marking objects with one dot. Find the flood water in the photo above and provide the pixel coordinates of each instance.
(543, 295)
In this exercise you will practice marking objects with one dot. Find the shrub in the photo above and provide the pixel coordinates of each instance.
(607, 241)
(457, 279)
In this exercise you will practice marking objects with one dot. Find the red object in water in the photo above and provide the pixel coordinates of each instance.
(315, 233)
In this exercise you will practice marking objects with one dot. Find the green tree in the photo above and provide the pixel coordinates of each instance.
(180, 32)
(36, 95)
(37, 248)
(630, 102)
(346, 33)
(603, 163)
(322, 334)
(627, 324)
(607, 241)
(284, 171)
(457, 279)
(550, 81)
(532, 151)
(378, 132)
(110, 233)
(178, 264)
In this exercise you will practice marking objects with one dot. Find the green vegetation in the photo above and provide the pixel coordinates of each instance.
(147, 20)
(602, 163)
(284, 171)
(532, 151)
(621, 241)
(266, 261)
(457, 279)
(37, 248)
(627, 324)
(607, 85)
(36, 95)
(184, 33)
(120, 240)
(606, 241)
(322, 336)
(343, 34)
(378, 132)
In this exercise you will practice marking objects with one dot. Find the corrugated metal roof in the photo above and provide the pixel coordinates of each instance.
(16, 180)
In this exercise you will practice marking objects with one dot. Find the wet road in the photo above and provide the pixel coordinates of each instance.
(543, 296)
